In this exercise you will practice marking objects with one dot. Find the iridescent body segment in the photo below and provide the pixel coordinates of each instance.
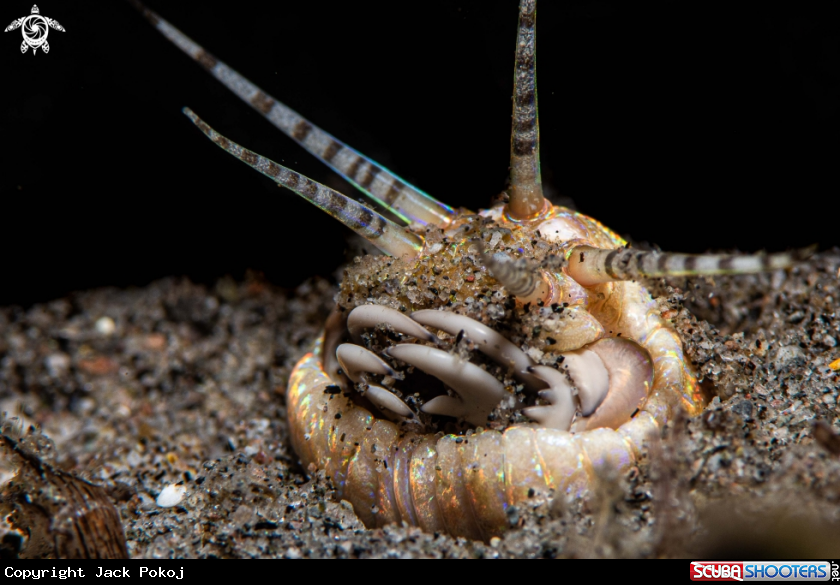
(486, 357)
(462, 484)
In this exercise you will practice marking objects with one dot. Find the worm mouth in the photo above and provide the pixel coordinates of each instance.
(469, 376)
(439, 345)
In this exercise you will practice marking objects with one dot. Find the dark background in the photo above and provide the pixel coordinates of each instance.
(694, 127)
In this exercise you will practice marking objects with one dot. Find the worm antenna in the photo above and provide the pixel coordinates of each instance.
(403, 200)
(525, 191)
(526, 284)
(590, 266)
(382, 233)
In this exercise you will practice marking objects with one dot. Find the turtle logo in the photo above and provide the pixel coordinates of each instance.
(35, 29)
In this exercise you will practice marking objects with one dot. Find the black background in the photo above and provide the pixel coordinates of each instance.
(691, 126)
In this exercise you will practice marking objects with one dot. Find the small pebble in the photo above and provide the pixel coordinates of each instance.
(293, 553)
(105, 326)
(59, 363)
(171, 495)
(346, 547)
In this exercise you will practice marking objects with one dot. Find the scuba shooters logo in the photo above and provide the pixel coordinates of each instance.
(717, 571)
(761, 571)
(35, 29)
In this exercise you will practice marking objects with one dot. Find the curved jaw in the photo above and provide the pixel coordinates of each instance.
(601, 385)
(605, 384)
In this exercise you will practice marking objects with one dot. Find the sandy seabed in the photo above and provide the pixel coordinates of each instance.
(180, 384)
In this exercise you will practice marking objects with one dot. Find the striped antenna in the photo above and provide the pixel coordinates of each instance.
(382, 233)
(525, 191)
(388, 190)
(528, 285)
(590, 266)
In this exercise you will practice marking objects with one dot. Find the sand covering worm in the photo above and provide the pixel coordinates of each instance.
(484, 357)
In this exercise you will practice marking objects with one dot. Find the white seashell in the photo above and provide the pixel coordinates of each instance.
(171, 495)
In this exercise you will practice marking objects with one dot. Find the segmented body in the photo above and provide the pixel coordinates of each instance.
(464, 484)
